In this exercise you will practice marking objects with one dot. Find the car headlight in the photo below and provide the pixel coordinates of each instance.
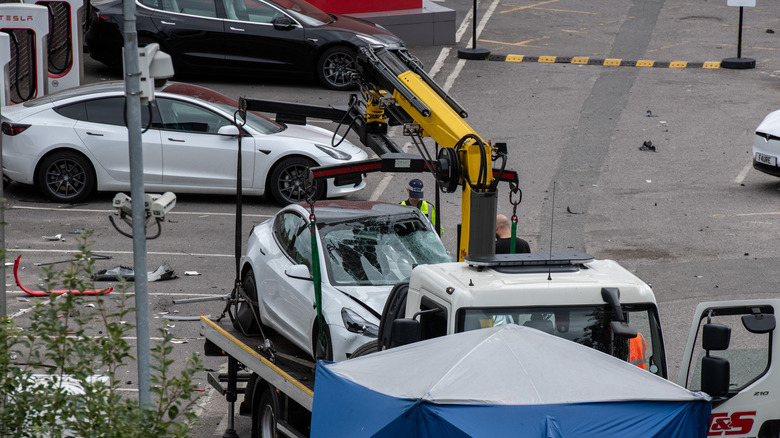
(371, 41)
(357, 324)
(333, 152)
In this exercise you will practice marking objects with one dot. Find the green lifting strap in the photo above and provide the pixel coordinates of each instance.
(514, 238)
(322, 346)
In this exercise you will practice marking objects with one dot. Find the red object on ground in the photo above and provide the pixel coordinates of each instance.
(361, 6)
(40, 293)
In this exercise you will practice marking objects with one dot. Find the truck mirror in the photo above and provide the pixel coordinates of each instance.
(404, 331)
(611, 295)
(562, 321)
(620, 327)
(715, 376)
(623, 329)
(715, 336)
(759, 323)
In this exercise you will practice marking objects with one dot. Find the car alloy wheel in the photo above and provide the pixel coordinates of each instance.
(247, 316)
(66, 177)
(336, 66)
(289, 181)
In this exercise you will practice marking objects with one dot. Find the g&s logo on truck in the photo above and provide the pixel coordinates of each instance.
(738, 423)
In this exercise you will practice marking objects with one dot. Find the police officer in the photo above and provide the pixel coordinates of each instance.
(415, 199)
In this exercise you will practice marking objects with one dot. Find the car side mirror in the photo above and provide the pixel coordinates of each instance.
(282, 22)
(300, 272)
(229, 131)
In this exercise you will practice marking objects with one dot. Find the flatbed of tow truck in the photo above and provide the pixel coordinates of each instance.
(272, 358)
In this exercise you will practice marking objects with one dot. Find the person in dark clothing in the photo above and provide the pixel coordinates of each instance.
(504, 237)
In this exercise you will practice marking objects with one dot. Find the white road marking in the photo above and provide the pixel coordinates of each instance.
(74, 251)
(445, 52)
(173, 213)
(742, 175)
(461, 62)
(380, 188)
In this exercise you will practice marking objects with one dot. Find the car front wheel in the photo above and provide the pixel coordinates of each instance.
(322, 349)
(66, 177)
(247, 315)
(336, 66)
(289, 181)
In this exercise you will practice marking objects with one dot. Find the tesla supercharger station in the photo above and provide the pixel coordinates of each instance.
(27, 27)
(5, 59)
(64, 43)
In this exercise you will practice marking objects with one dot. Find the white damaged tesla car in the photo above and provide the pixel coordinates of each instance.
(364, 249)
(766, 145)
(74, 142)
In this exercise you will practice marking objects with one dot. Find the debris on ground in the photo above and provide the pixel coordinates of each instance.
(42, 293)
(164, 272)
(647, 146)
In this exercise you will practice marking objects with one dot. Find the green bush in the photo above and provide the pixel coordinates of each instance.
(72, 338)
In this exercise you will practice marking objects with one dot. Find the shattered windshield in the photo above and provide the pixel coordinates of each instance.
(586, 325)
(379, 251)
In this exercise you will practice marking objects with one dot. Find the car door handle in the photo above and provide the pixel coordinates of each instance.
(237, 29)
(167, 22)
(97, 134)
(175, 139)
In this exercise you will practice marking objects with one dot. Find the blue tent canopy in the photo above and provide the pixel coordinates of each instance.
(502, 381)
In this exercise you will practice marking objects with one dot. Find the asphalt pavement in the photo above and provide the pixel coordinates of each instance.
(575, 89)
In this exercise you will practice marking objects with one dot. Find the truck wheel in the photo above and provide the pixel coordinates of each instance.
(264, 417)
(247, 315)
(367, 348)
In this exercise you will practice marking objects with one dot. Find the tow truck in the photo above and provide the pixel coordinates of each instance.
(594, 302)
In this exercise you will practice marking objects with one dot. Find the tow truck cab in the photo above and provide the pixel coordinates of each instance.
(598, 303)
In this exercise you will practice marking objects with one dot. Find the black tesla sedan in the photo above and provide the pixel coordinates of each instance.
(281, 38)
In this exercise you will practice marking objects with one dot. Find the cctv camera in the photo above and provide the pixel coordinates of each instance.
(162, 205)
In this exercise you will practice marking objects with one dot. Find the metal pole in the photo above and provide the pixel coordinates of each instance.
(739, 35)
(473, 52)
(3, 304)
(739, 62)
(474, 27)
(133, 95)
